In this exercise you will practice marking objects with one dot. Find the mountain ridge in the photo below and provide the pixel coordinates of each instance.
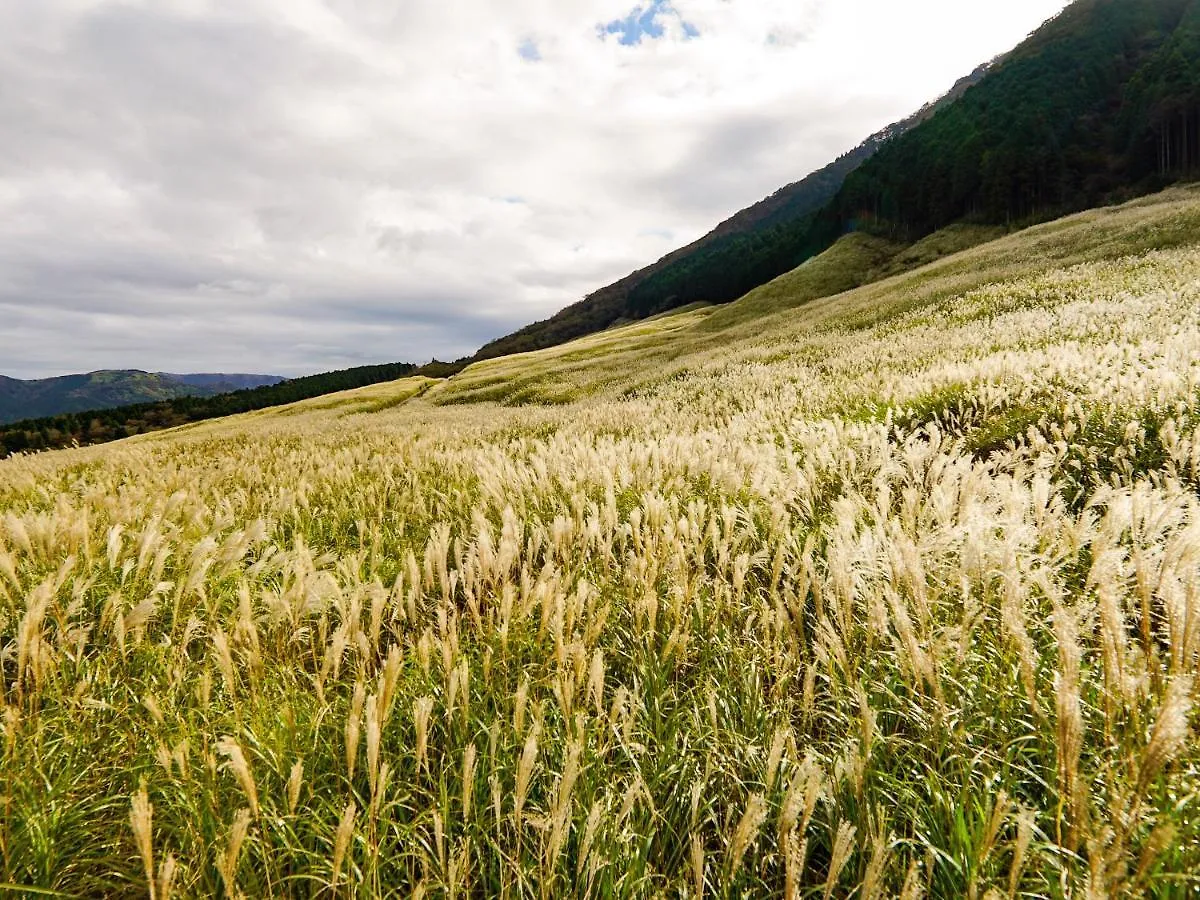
(1098, 105)
(224, 380)
(109, 388)
(608, 305)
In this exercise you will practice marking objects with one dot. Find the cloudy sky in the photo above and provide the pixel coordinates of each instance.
(292, 186)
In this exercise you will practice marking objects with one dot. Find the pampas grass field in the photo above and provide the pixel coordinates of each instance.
(895, 593)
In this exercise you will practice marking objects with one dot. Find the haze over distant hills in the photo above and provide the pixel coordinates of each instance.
(20, 399)
(222, 382)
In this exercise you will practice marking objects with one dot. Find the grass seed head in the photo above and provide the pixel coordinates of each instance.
(294, 784)
(235, 761)
(1170, 732)
(228, 863)
(141, 814)
(746, 832)
(843, 847)
(341, 841)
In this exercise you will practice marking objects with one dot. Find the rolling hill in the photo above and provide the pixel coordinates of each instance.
(787, 206)
(1100, 104)
(105, 389)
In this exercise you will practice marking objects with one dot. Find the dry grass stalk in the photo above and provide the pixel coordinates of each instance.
(872, 884)
(468, 782)
(354, 728)
(228, 863)
(696, 856)
(525, 767)
(294, 783)
(795, 852)
(422, 708)
(746, 832)
(1072, 794)
(166, 877)
(1170, 732)
(1025, 822)
(235, 761)
(141, 814)
(843, 847)
(341, 841)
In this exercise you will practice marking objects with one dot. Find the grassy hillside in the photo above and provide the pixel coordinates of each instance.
(887, 594)
(770, 320)
(854, 260)
(1099, 105)
(1102, 103)
(743, 235)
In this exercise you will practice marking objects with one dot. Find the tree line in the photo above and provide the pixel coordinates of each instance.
(99, 426)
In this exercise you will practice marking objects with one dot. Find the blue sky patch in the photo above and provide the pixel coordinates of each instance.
(528, 50)
(644, 21)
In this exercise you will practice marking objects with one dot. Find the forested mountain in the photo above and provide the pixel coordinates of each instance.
(638, 295)
(93, 426)
(110, 388)
(1102, 103)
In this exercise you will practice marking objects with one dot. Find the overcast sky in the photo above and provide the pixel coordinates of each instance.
(293, 186)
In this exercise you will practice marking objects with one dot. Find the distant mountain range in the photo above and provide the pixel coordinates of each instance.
(1100, 104)
(110, 388)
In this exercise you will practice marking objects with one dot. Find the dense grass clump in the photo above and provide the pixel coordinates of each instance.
(896, 594)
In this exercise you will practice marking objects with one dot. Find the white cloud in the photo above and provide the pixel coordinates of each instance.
(295, 185)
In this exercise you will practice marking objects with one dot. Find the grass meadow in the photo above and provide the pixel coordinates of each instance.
(895, 593)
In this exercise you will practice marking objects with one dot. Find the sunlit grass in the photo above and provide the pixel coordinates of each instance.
(893, 594)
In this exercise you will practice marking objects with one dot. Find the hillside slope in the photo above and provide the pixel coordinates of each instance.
(73, 393)
(629, 298)
(1100, 104)
(892, 593)
(108, 388)
(658, 351)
